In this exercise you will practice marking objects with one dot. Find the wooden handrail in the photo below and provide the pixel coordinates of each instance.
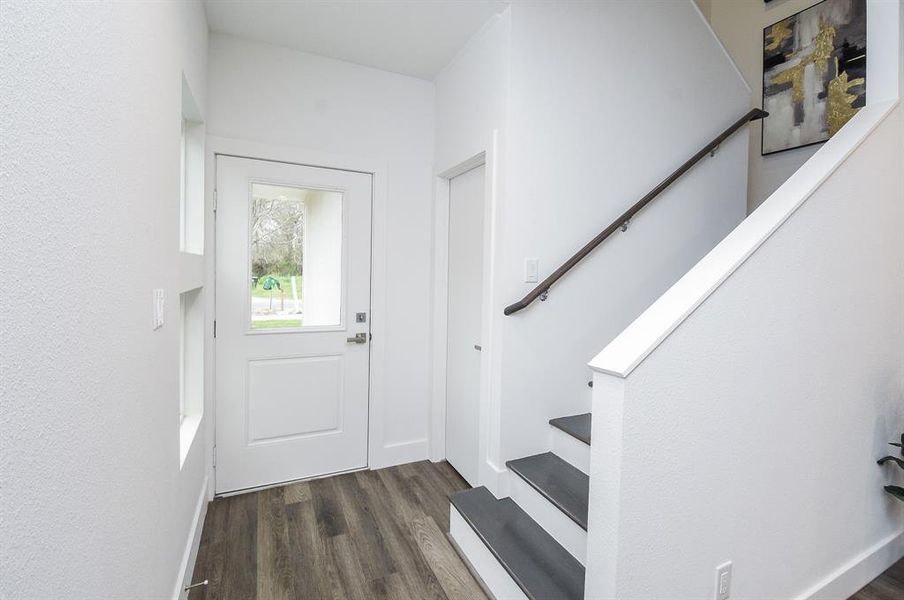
(622, 221)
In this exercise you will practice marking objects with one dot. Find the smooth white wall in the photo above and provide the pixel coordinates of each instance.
(280, 96)
(598, 114)
(471, 95)
(94, 503)
(739, 25)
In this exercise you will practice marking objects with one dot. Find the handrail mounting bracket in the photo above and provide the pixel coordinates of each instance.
(541, 290)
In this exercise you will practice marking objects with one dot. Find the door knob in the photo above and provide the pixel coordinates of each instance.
(360, 338)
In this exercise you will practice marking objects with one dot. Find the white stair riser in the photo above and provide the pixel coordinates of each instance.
(571, 450)
(569, 534)
(491, 572)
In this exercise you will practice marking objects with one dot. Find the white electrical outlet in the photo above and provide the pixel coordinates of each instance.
(723, 581)
(531, 270)
(158, 308)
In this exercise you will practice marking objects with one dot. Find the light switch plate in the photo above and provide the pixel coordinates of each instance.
(723, 581)
(531, 270)
(158, 308)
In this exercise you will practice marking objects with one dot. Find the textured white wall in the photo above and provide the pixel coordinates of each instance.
(93, 502)
(751, 433)
(276, 95)
(599, 113)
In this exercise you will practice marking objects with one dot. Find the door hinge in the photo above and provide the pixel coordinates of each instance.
(214, 201)
(214, 456)
(214, 328)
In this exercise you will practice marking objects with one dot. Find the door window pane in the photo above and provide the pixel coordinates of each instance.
(296, 257)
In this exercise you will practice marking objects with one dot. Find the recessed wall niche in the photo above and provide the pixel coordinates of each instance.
(191, 238)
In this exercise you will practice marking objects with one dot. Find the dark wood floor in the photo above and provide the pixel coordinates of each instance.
(371, 534)
(888, 586)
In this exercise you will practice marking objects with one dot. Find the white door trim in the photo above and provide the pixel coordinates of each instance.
(376, 452)
(491, 305)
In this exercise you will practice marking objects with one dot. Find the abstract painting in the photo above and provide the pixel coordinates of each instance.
(814, 74)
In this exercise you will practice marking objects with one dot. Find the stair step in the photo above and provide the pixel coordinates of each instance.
(559, 482)
(534, 560)
(576, 425)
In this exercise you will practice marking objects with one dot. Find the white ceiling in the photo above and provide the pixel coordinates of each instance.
(414, 37)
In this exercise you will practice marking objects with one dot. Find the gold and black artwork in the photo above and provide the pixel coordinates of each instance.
(814, 74)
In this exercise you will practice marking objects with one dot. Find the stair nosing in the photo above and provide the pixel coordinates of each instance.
(493, 550)
(557, 424)
(580, 523)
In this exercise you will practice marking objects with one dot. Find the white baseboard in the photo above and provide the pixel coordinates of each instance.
(399, 454)
(495, 479)
(187, 567)
(859, 571)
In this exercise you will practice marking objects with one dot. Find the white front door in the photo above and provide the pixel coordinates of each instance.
(466, 210)
(293, 312)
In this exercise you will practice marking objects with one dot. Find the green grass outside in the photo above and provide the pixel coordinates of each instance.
(276, 324)
(285, 282)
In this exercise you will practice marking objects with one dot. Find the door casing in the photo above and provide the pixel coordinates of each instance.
(491, 474)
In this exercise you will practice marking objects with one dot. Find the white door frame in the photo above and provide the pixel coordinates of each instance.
(312, 158)
(490, 474)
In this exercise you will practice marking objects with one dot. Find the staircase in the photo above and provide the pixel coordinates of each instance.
(534, 543)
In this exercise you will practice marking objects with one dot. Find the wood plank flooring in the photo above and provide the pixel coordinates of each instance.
(888, 586)
(371, 534)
